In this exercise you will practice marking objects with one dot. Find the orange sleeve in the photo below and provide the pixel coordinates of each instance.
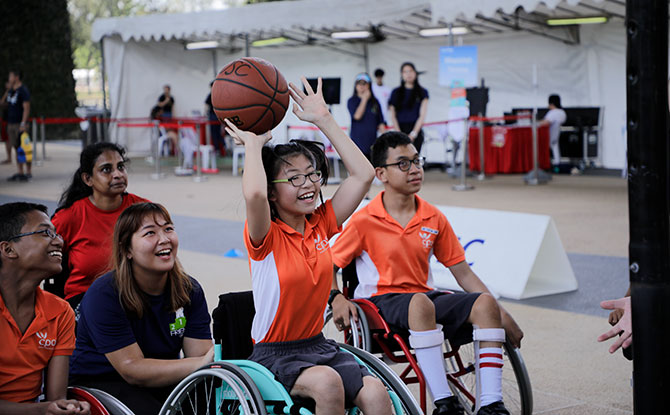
(347, 246)
(258, 253)
(66, 336)
(447, 248)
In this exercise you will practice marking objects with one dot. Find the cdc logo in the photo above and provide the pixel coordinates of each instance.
(45, 343)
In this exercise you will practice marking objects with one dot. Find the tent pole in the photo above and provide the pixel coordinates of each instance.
(102, 76)
(214, 63)
(648, 199)
(246, 44)
(366, 58)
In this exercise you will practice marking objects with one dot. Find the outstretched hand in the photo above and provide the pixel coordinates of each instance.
(624, 326)
(309, 106)
(246, 137)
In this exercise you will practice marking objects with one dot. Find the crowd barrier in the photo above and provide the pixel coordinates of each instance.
(205, 155)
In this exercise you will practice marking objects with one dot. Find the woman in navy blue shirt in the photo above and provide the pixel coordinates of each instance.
(366, 114)
(408, 105)
(137, 319)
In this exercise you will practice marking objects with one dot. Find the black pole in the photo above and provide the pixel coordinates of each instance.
(649, 200)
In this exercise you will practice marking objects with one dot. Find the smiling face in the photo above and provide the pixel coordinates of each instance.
(290, 200)
(109, 177)
(153, 247)
(394, 179)
(39, 251)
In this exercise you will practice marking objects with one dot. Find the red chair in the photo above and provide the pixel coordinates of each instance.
(374, 335)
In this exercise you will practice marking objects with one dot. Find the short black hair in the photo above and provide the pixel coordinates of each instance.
(379, 72)
(391, 139)
(13, 217)
(555, 100)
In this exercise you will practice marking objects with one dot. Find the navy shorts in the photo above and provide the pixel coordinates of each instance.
(451, 311)
(286, 360)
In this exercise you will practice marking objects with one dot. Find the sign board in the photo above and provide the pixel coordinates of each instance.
(517, 255)
(458, 63)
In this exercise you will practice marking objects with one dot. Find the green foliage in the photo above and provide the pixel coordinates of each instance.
(36, 40)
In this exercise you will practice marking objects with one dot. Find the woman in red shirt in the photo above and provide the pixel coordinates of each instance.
(87, 213)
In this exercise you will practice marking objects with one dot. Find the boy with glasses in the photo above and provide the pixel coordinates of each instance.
(391, 240)
(37, 327)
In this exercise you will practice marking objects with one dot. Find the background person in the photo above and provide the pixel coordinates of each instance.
(398, 232)
(408, 105)
(366, 115)
(37, 327)
(622, 322)
(166, 102)
(554, 118)
(382, 93)
(136, 319)
(87, 212)
(17, 98)
(287, 240)
(215, 128)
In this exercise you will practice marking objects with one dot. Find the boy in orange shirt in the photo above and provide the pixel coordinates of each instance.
(391, 240)
(37, 327)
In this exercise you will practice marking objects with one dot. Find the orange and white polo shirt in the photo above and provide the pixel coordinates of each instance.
(291, 275)
(393, 259)
(23, 357)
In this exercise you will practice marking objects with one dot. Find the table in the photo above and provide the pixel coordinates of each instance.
(509, 149)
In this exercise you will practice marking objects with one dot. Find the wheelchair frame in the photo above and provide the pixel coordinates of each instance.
(460, 372)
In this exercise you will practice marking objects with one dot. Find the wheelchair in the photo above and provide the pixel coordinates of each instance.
(372, 334)
(238, 386)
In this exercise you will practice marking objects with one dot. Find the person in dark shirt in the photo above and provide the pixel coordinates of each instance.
(366, 115)
(215, 129)
(408, 105)
(17, 98)
(166, 102)
(137, 319)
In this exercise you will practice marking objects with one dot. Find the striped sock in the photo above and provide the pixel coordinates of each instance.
(490, 366)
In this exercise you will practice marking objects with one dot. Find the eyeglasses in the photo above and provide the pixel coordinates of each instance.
(300, 179)
(48, 232)
(405, 164)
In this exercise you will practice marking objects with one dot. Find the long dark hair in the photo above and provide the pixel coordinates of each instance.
(417, 94)
(376, 107)
(77, 188)
(132, 298)
(274, 156)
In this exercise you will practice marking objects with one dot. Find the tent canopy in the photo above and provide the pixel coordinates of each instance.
(308, 22)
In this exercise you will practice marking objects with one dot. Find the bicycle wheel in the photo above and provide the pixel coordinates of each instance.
(358, 336)
(516, 388)
(400, 395)
(218, 388)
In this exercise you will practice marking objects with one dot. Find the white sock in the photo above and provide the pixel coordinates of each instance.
(431, 362)
(490, 366)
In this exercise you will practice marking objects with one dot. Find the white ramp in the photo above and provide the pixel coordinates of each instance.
(517, 255)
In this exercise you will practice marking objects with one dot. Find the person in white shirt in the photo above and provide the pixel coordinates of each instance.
(555, 117)
(381, 92)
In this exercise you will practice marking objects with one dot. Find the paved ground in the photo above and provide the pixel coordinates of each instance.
(571, 373)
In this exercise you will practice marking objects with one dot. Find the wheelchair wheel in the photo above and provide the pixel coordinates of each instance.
(219, 388)
(401, 396)
(102, 403)
(358, 336)
(516, 388)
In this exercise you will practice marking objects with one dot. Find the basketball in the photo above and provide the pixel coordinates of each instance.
(252, 94)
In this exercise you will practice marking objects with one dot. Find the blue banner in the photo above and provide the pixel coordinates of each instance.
(458, 63)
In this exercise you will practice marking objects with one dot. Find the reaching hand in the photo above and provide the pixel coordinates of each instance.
(309, 107)
(624, 326)
(512, 330)
(208, 357)
(366, 95)
(245, 137)
(615, 316)
(342, 310)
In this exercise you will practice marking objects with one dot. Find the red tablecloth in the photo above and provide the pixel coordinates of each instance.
(509, 149)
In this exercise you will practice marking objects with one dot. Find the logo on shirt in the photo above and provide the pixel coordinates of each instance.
(427, 236)
(44, 342)
(321, 244)
(179, 326)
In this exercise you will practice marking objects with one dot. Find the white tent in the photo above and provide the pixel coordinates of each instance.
(584, 64)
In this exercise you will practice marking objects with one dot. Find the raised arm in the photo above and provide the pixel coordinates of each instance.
(312, 108)
(254, 182)
(137, 370)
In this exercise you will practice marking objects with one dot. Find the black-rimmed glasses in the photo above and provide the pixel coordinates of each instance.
(405, 164)
(48, 232)
(300, 179)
